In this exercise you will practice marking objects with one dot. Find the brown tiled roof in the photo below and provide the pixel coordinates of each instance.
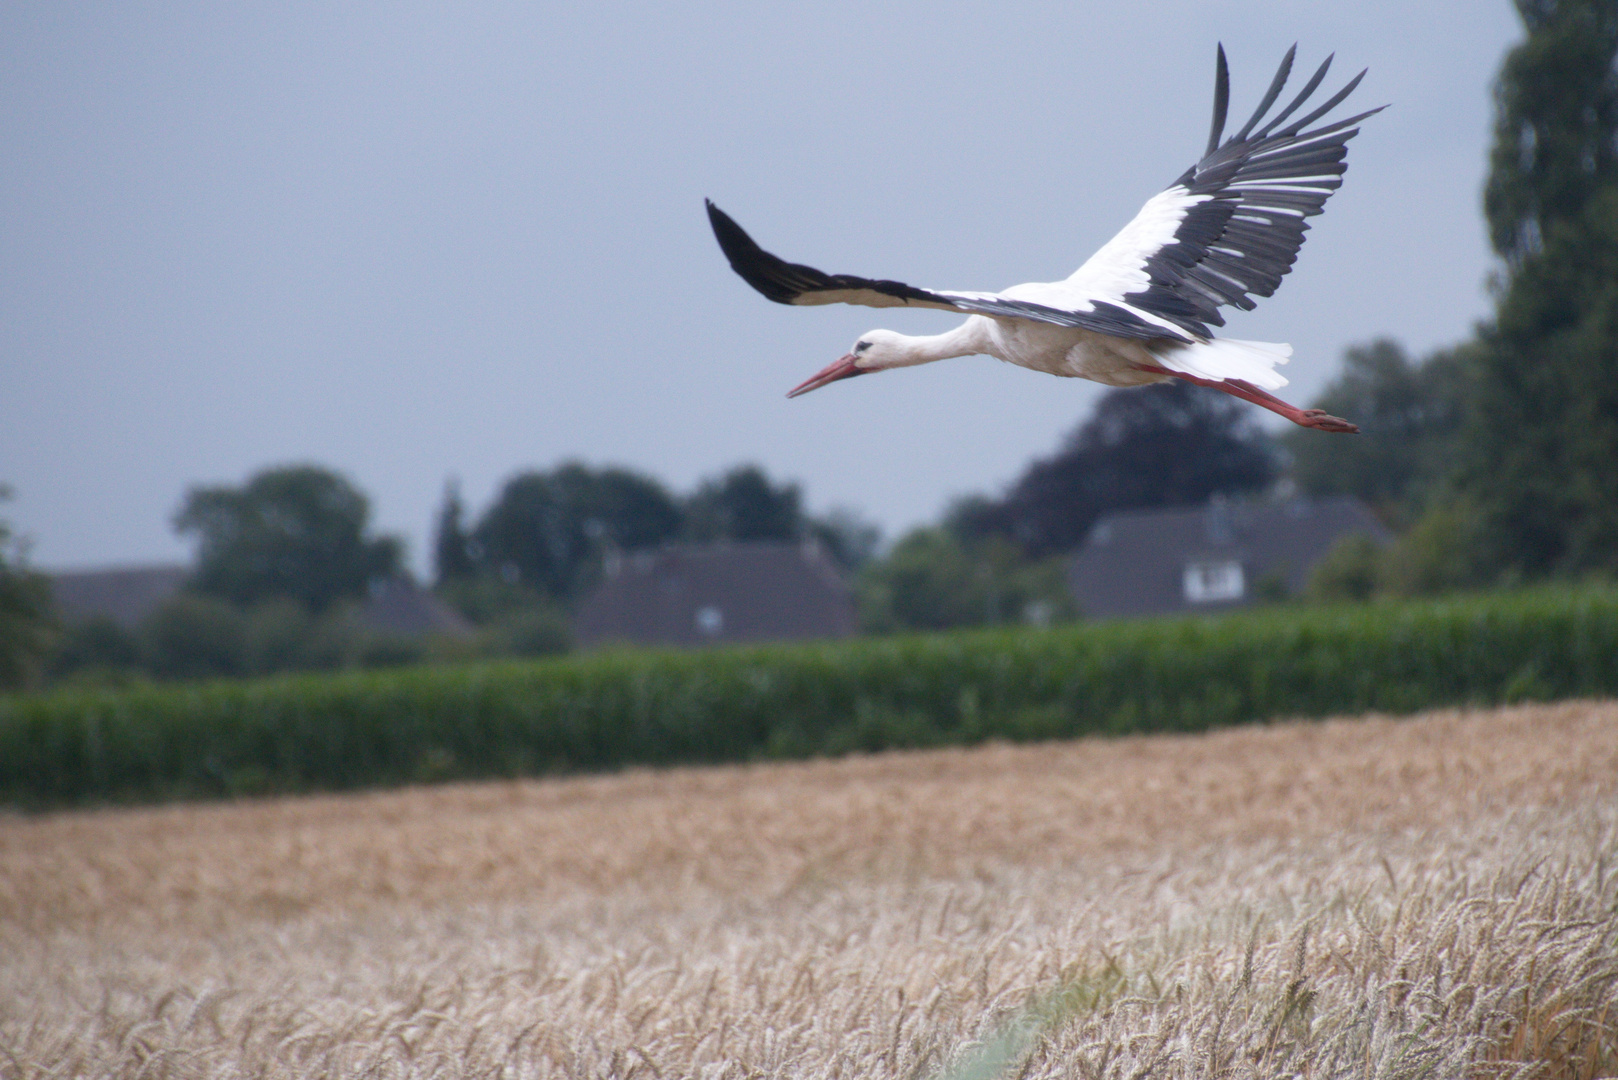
(1136, 562)
(705, 595)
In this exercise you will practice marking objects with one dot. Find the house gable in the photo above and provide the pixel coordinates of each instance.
(690, 595)
(1209, 558)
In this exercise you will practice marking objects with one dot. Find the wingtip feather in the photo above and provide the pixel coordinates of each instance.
(1303, 95)
(1282, 73)
(1221, 99)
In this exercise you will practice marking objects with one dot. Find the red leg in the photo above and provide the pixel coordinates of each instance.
(1318, 419)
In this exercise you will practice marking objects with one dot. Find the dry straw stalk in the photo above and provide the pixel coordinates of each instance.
(1431, 897)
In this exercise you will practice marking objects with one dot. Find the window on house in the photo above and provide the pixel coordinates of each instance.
(1206, 582)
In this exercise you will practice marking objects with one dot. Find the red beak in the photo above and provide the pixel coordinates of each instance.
(840, 369)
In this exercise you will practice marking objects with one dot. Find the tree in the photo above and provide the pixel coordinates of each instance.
(744, 505)
(452, 554)
(932, 580)
(26, 624)
(1171, 444)
(1410, 413)
(296, 531)
(849, 538)
(548, 530)
(1537, 455)
(1556, 111)
(1539, 452)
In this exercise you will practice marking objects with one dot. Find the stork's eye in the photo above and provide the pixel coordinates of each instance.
(862, 346)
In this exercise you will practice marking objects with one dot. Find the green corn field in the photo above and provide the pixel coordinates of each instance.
(612, 709)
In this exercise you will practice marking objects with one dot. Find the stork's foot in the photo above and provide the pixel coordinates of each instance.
(1321, 420)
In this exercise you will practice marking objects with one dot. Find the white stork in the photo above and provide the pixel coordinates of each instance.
(1140, 309)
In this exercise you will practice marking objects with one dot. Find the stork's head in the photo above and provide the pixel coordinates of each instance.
(875, 350)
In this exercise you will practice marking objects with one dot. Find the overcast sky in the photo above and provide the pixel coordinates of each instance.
(413, 241)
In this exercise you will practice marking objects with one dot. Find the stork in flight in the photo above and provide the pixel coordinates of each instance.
(1140, 309)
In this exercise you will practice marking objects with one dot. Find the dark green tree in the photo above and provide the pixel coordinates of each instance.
(296, 531)
(1171, 444)
(1538, 460)
(547, 530)
(848, 538)
(1410, 413)
(27, 626)
(744, 504)
(452, 554)
(1556, 111)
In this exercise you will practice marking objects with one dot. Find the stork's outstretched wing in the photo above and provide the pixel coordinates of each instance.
(794, 283)
(1225, 231)
(1231, 226)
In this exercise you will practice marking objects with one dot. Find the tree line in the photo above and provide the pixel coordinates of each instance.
(545, 535)
(284, 562)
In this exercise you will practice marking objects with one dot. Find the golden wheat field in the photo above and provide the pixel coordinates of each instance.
(1425, 897)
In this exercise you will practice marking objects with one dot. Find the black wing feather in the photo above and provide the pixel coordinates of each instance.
(1336, 100)
(1221, 101)
(1235, 244)
(1240, 241)
(795, 283)
(1270, 95)
(1303, 96)
(785, 282)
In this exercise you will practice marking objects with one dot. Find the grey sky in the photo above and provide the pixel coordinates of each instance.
(412, 241)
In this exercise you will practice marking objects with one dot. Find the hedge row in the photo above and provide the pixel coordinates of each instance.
(606, 710)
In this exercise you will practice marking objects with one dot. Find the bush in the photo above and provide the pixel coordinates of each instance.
(535, 631)
(483, 598)
(1439, 555)
(933, 580)
(1351, 570)
(96, 651)
(276, 636)
(194, 637)
(1443, 551)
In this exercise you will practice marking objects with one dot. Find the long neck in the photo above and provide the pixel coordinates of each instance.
(968, 339)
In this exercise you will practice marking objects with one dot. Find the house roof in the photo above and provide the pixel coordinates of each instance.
(712, 594)
(399, 606)
(1145, 562)
(127, 595)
